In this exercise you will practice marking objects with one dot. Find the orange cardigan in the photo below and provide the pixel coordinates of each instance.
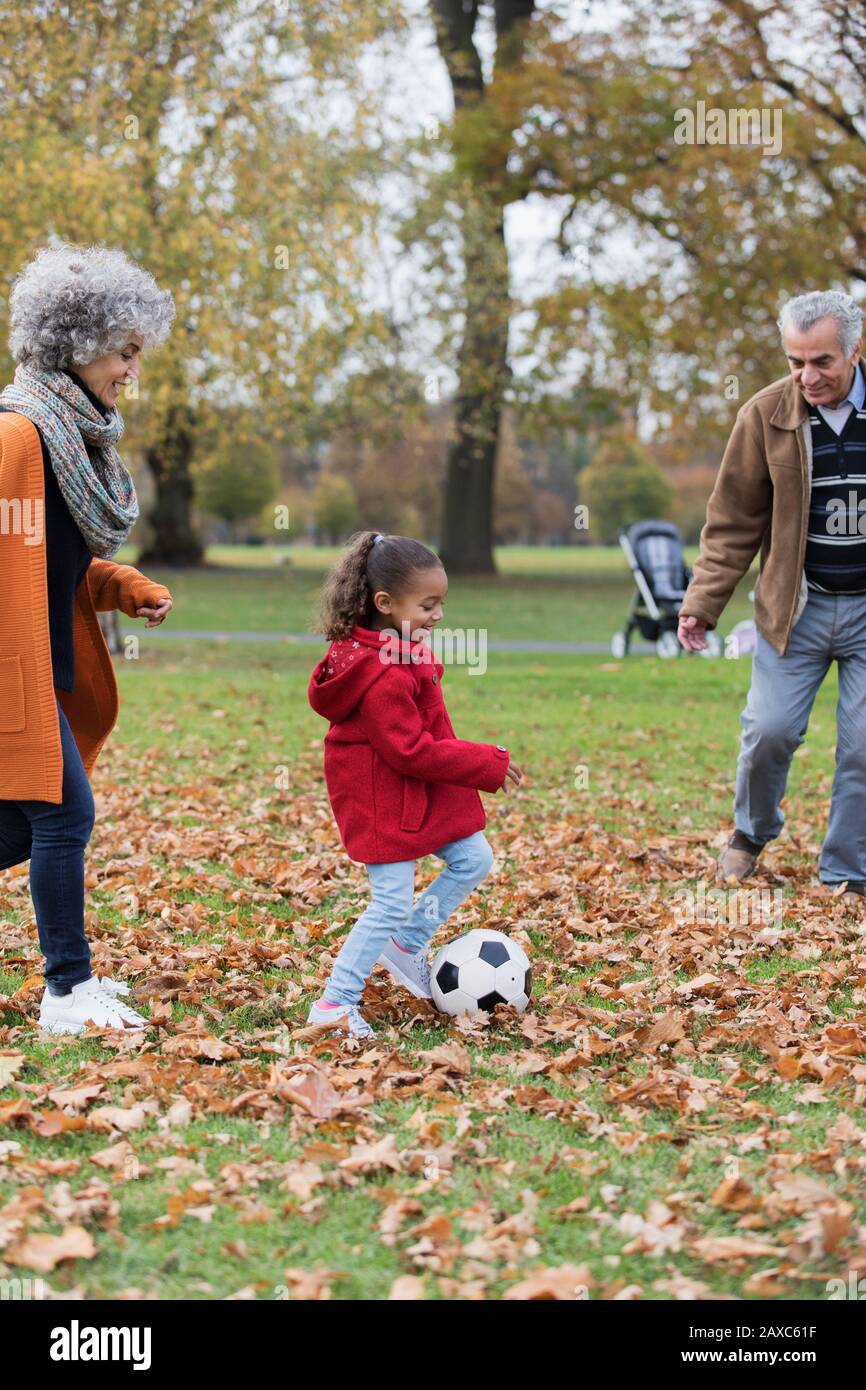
(31, 758)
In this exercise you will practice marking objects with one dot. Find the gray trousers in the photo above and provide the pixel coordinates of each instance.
(830, 628)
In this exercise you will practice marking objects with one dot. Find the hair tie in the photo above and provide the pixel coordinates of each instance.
(378, 537)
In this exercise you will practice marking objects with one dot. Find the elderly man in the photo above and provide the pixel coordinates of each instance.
(793, 483)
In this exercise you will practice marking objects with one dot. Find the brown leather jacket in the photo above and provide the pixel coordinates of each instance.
(760, 501)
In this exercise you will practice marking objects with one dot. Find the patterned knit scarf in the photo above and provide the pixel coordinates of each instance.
(98, 489)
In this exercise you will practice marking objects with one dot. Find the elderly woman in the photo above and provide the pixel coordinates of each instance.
(80, 320)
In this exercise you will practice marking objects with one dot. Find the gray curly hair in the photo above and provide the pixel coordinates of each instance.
(72, 304)
(805, 311)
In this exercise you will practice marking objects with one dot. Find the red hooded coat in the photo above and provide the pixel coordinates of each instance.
(401, 785)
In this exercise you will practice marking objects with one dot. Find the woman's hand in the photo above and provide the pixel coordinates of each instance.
(155, 615)
(514, 774)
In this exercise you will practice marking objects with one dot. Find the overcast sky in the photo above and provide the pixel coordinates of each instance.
(414, 93)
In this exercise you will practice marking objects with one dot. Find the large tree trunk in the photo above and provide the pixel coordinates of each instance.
(174, 540)
(467, 528)
(467, 531)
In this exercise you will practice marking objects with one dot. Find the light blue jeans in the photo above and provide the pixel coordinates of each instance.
(391, 913)
(832, 627)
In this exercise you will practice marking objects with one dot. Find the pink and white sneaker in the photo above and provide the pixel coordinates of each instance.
(412, 971)
(356, 1024)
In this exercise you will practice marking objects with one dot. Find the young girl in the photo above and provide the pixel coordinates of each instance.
(401, 785)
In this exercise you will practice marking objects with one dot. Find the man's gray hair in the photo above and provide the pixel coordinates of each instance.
(804, 312)
(72, 304)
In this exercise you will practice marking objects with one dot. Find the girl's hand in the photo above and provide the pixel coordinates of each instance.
(514, 774)
(155, 615)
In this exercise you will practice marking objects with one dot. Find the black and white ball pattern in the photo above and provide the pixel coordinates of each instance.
(480, 970)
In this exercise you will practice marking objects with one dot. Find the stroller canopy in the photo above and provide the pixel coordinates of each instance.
(658, 549)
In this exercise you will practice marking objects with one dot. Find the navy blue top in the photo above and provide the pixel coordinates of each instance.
(835, 559)
(67, 558)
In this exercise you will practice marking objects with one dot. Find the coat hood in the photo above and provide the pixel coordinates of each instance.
(352, 664)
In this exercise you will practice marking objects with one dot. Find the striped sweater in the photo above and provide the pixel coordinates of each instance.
(835, 559)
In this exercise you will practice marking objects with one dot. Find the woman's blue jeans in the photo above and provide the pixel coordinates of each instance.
(391, 913)
(54, 838)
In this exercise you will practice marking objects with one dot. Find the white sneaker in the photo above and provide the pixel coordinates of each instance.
(115, 987)
(120, 991)
(356, 1024)
(88, 1002)
(411, 971)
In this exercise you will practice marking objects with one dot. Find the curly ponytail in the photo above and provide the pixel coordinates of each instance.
(371, 562)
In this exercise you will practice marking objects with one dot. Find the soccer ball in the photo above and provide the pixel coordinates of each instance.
(478, 971)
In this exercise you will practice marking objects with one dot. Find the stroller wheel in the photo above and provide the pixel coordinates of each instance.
(619, 644)
(714, 645)
(668, 646)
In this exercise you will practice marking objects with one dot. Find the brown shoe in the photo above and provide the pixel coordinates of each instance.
(738, 858)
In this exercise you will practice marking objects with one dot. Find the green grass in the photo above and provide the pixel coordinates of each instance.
(192, 822)
(563, 594)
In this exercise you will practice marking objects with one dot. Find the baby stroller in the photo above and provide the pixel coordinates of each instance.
(654, 551)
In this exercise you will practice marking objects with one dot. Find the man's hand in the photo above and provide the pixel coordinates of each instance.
(691, 632)
(514, 774)
(155, 615)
